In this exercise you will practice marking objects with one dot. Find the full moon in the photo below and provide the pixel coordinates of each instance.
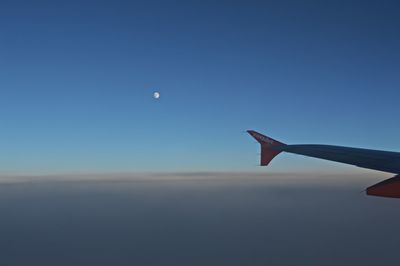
(156, 95)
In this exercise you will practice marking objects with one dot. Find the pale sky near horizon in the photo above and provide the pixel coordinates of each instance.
(77, 81)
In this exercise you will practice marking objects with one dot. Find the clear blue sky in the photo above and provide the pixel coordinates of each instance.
(77, 77)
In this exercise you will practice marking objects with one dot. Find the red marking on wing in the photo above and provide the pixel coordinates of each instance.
(267, 147)
(387, 188)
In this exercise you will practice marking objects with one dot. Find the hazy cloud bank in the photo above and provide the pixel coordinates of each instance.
(202, 219)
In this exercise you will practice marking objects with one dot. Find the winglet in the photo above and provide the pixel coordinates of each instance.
(269, 147)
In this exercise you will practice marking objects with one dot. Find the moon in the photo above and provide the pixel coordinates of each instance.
(156, 95)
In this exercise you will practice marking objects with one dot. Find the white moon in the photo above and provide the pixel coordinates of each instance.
(156, 95)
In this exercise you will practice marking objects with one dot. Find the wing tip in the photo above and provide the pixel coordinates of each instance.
(267, 151)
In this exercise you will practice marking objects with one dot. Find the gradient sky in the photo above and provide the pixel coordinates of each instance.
(77, 77)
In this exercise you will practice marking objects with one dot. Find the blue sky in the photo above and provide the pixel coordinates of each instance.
(77, 77)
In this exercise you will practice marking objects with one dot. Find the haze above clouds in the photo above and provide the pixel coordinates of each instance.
(203, 219)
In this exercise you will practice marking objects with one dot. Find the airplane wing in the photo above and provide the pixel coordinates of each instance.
(385, 161)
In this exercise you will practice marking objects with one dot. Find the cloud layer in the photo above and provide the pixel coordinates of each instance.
(197, 219)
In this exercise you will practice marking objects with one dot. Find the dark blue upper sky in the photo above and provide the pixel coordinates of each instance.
(77, 77)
